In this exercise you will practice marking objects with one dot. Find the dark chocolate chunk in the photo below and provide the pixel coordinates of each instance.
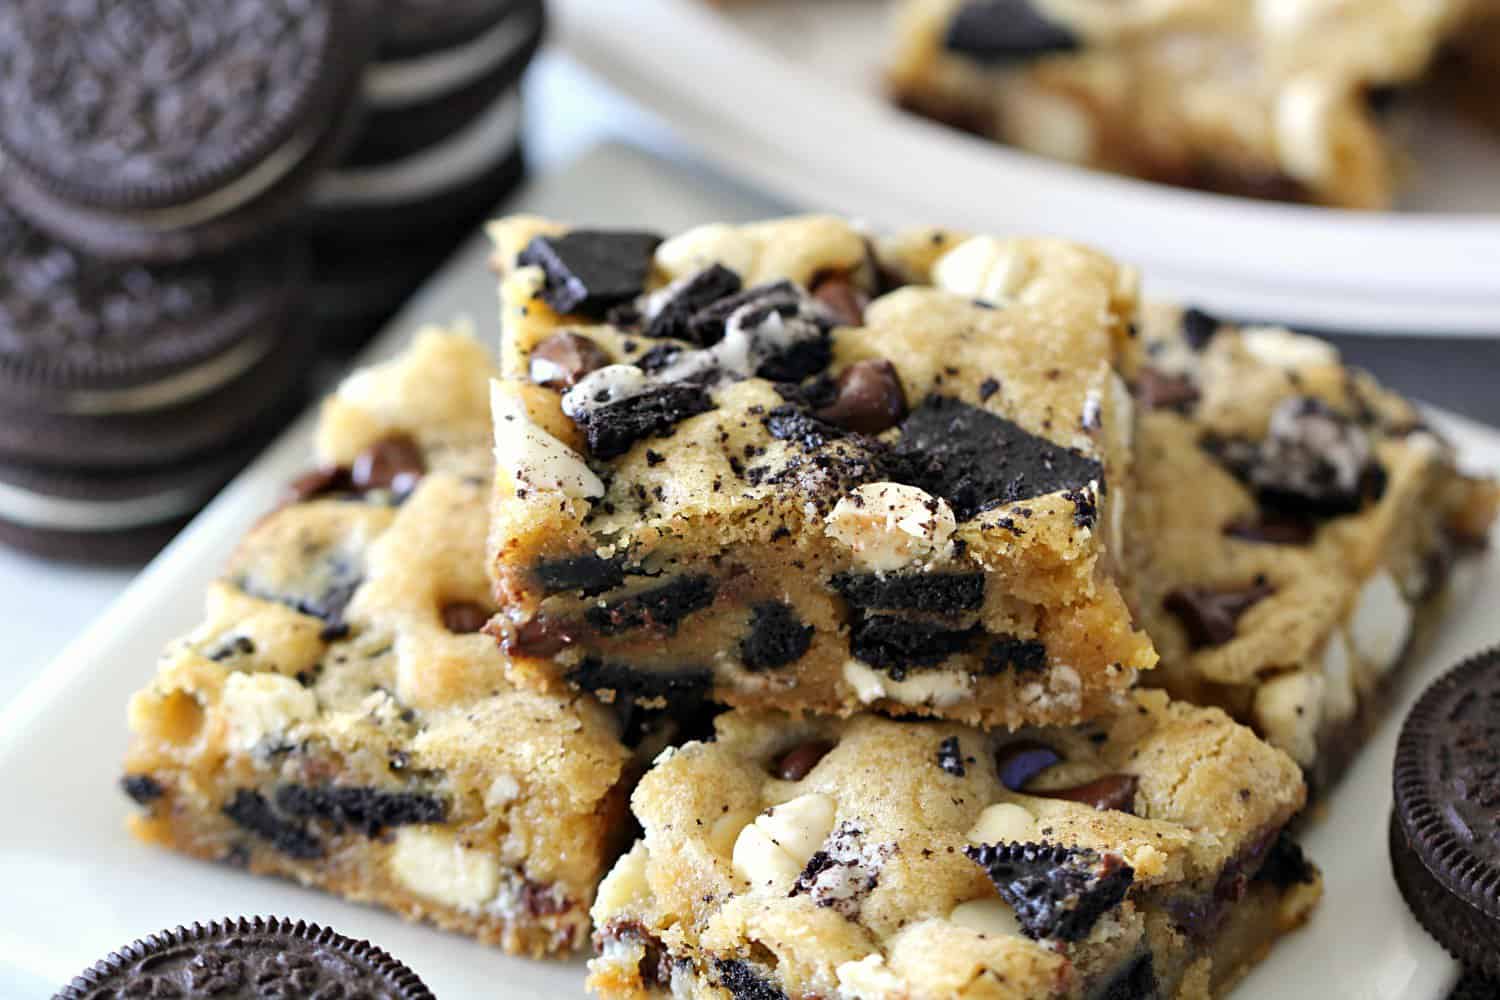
(791, 423)
(743, 982)
(368, 810)
(1004, 30)
(563, 358)
(950, 757)
(1111, 792)
(682, 687)
(393, 463)
(1273, 528)
(976, 460)
(316, 483)
(1136, 982)
(659, 608)
(688, 297)
(1198, 328)
(868, 398)
(589, 575)
(655, 968)
(1157, 390)
(267, 958)
(897, 645)
(798, 762)
(843, 298)
(613, 428)
(588, 271)
(142, 788)
(1210, 615)
(776, 638)
(1057, 892)
(253, 811)
(463, 617)
(1017, 763)
(1285, 865)
(1025, 656)
(935, 592)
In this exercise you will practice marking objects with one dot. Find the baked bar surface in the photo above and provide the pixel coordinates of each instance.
(1139, 856)
(339, 719)
(779, 466)
(1294, 529)
(1273, 98)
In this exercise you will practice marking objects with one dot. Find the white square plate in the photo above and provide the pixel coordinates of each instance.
(74, 885)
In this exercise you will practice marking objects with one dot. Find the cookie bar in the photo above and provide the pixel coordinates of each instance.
(1317, 538)
(339, 719)
(776, 466)
(1137, 856)
(1267, 99)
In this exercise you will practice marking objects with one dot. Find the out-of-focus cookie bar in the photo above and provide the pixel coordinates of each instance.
(340, 719)
(778, 465)
(1138, 856)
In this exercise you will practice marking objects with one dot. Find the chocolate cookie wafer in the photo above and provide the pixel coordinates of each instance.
(151, 129)
(1445, 830)
(248, 958)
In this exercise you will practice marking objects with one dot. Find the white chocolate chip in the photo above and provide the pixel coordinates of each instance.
(434, 865)
(1303, 122)
(771, 852)
(1003, 823)
(1289, 711)
(264, 705)
(609, 384)
(761, 862)
(868, 979)
(982, 268)
(890, 526)
(1274, 345)
(502, 792)
(626, 884)
(1381, 623)
(716, 243)
(987, 916)
(536, 459)
(938, 688)
(1339, 698)
(1055, 126)
(868, 685)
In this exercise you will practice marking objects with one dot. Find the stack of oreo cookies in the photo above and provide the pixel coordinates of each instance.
(171, 175)
(438, 147)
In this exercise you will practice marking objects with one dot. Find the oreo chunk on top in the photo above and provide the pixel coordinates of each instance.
(976, 460)
(589, 271)
(613, 428)
(671, 311)
(1002, 30)
(1057, 892)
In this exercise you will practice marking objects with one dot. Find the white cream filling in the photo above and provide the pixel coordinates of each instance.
(435, 866)
(536, 459)
(891, 526)
(402, 82)
(987, 916)
(938, 688)
(983, 268)
(263, 705)
(461, 157)
(178, 387)
(51, 513)
(1381, 623)
(1303, 118)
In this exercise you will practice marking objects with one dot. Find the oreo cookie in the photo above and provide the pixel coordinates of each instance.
(157, 130)
(1445, 828)
(442, 64)
(244, 958)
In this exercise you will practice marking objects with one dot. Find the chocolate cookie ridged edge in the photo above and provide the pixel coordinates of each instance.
(404, 983)
(1461, 929)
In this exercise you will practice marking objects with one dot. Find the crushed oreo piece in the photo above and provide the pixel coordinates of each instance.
(798, 762)
(868, 398)
(655, 968)
(950, 757)
(1285, 864)
(897, 645)
(613, 428)
(368, 810)
(1017, 763)
(1004, 30)
(976, 460)
(1024, 656)
(1085, 507)
(791, 423)
(988, 388)
(1157, 390)
(252, 811)
(1058, 893)
(588, 271)
(803, 359)
(776, 637)
(709, 324)
(660, 608)
(684, 687)
(843, 872)
(1198, 328)
(1210, 615)
(142, 788)
(743, 981)
(1136, 982)
(935, 592)
(589, 575)
(658, 358)
(670, 312)
(564, 358)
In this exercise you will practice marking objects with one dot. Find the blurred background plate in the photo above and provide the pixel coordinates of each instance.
(787, 93)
